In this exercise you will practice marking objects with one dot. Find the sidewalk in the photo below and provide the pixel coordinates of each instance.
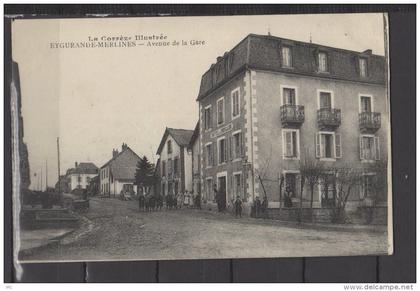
(33, 239)
(293, 224)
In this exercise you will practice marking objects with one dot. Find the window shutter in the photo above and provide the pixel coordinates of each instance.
(241, 141)
(377, 148)
(225, 151)
(338, 145)
(214, 157)
(361, 147)
(231, 148)
(317, 145)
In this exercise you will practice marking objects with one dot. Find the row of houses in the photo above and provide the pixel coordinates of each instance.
(268, 104)
(115, 176)
(265, 106)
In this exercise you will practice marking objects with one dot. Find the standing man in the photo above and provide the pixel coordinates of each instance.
(238, 206)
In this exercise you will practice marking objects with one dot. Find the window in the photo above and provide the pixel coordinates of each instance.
(222, 150)
(328, 145)
(207, 117)
(291, 184)
(209, 155)
(325, 100)
(127, 187)
(365, 104)
(367, 186)
(170, 189)
(209, 189)
(322, 62)
(289, 96)
(286, 53)
(79, 178)
(88, 180)
(327, 190)
(163, 189)
(169, 167)
(176, 165)
(237, 145)
(169, 145)
(235, 103)
(369, 147)
(237, 185)
(290, 143)
(220, 111)
(176, 187)
(362, 67)
(163, 168)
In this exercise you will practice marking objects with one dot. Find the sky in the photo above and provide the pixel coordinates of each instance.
(94, 99)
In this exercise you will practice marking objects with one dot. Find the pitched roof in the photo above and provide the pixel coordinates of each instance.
(181, 136)
(84, 168)
(263, 52)
(123, 165)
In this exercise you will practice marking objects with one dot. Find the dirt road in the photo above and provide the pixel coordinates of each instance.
(115, 229)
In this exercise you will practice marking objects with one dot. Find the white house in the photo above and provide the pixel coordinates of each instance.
(175, 161)
(118, 174)
(79, 177)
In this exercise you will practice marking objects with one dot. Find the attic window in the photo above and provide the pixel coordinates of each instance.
(169, 146)
(286, 53)
(363, 67)
(322, 62)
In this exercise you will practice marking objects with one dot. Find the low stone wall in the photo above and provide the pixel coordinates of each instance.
(363, 215)
(47, 218)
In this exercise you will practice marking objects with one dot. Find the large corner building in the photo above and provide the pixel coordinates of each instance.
(270, 102)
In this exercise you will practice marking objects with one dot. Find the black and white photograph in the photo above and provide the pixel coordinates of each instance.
(207, 137)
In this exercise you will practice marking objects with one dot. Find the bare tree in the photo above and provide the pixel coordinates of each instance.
(345, 179)
(312, 171)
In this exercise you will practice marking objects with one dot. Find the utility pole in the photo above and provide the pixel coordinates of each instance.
(58, 161)
(41, 179)
(46, 174)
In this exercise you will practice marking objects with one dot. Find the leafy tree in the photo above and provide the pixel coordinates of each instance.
(144, 176)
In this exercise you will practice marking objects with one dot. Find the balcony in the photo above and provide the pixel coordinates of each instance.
(329, 118)
(292, 115)
(369, 122)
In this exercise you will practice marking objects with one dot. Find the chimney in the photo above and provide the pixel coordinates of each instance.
(369, 52)
(124, 146)
(75, 164)
(219, 59)
(114, 153)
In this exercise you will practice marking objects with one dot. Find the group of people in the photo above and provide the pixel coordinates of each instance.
(153, 202)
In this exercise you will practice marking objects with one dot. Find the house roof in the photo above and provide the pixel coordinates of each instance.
(195, 134)
(123, 165)
(181, 136)
(263, 52)
(84, 168)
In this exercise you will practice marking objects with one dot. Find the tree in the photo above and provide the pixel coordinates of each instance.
(311, 172)
(145, 177)
(346, 179)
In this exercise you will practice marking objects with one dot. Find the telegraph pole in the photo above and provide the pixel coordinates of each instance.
(46, 174)
(58, 159)
(41, 179)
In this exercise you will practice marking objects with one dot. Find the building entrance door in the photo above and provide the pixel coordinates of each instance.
(222, 192)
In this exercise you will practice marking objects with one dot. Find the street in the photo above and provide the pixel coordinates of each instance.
(116, 230)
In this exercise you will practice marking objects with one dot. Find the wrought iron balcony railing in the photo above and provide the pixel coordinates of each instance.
(329, 118)
(369, 121)
(292, 115)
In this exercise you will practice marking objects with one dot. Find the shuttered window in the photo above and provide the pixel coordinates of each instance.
(328, 145)
(290, 144)
(222, 151)
(369, 147)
